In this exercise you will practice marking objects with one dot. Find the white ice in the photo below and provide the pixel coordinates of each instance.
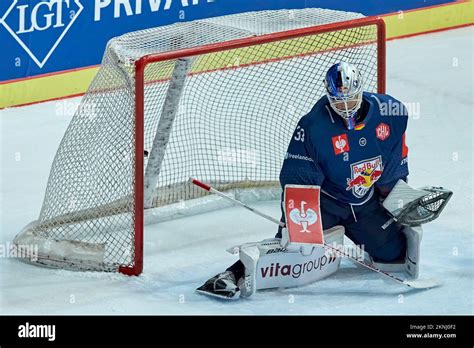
(434, 70)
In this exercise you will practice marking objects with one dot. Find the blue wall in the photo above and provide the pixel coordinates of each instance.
(87, 25)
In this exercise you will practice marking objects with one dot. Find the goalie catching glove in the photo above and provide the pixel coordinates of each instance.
(414, 207)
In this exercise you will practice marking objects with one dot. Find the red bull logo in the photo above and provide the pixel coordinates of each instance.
(364, 174)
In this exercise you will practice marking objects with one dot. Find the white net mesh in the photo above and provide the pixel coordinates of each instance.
(228, 122)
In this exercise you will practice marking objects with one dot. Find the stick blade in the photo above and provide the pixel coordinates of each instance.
(423, 283)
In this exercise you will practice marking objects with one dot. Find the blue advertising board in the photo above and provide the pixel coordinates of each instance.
(45, 36)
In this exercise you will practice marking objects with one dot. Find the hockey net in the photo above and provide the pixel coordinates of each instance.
(216, 99)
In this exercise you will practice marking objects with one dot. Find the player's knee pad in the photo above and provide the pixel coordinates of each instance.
(411, 262)
(412, 259)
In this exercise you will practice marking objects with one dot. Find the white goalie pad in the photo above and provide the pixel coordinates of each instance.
(411, 264)
(268, 265)
(412, 259)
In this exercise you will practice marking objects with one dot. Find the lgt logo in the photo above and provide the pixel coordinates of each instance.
(52, 17)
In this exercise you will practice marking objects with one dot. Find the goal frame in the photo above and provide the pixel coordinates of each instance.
(143, 62)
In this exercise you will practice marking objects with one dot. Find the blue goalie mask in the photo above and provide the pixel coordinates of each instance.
(344, 87)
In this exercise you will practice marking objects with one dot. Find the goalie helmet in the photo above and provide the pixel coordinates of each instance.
(344, 87)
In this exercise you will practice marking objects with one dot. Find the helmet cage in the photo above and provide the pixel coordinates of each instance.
(347, 112)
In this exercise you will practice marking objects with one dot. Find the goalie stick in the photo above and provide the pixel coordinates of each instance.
(415, 284)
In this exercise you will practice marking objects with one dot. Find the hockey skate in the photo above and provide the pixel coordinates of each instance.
(222, 285)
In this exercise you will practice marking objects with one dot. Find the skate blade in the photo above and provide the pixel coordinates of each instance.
(234, 297)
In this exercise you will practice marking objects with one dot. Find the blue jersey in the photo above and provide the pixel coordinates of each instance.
(348, 164)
